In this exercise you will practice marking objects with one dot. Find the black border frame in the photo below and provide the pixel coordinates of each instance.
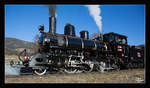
(41, 85)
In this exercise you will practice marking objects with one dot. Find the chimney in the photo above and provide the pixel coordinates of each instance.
(52, 25)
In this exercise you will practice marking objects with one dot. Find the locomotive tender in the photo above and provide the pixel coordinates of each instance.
(69, 53)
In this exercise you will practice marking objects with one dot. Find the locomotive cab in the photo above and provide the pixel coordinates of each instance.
(118, 46)
(115, 38)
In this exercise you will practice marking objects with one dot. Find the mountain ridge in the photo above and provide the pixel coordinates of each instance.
(14, 46)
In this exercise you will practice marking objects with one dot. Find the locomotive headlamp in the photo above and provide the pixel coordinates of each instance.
(47, 40)
(41, 28)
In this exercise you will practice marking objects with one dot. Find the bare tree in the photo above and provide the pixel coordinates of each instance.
(94, 35)
(97, 35)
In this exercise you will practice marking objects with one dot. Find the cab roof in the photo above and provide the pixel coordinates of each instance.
(115, 34)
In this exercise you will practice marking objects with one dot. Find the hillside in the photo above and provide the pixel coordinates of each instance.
(13, 43)
(13, 46)
(142, 45)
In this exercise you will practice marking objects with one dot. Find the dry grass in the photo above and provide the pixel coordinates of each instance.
(123, 76)
(10, 56)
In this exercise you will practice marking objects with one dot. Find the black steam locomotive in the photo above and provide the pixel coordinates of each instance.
(69, 53)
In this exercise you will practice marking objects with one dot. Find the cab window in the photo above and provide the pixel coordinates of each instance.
(110, 38)
(116, 39)
(123, 41)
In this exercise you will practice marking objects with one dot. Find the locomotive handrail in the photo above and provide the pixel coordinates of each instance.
(21, 54)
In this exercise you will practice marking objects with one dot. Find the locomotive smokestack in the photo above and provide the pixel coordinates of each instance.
(52, 19)
(52, 25)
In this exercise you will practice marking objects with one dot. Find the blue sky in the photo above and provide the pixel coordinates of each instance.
(22, 21)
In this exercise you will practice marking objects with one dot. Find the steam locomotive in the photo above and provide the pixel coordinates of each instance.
(69, 53)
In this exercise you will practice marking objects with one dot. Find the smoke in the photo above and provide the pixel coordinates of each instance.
(52, 10)
(10, 70)
(95, 12)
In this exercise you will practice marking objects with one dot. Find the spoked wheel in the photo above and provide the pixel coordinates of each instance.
(40, 71)
(79, 70)
(129, 65)
(118, 67)
(134, 65)
(89, 68)
(115, 66)
(101, 67)
(141, 65)
(70, 70)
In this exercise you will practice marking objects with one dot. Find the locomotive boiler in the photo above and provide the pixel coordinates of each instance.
(70, 53)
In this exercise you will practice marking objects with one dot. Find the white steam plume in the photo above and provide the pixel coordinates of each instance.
(11, 71)
(95, 12)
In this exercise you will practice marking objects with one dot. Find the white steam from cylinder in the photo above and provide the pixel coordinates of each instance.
(95, 12)
(10, 70)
